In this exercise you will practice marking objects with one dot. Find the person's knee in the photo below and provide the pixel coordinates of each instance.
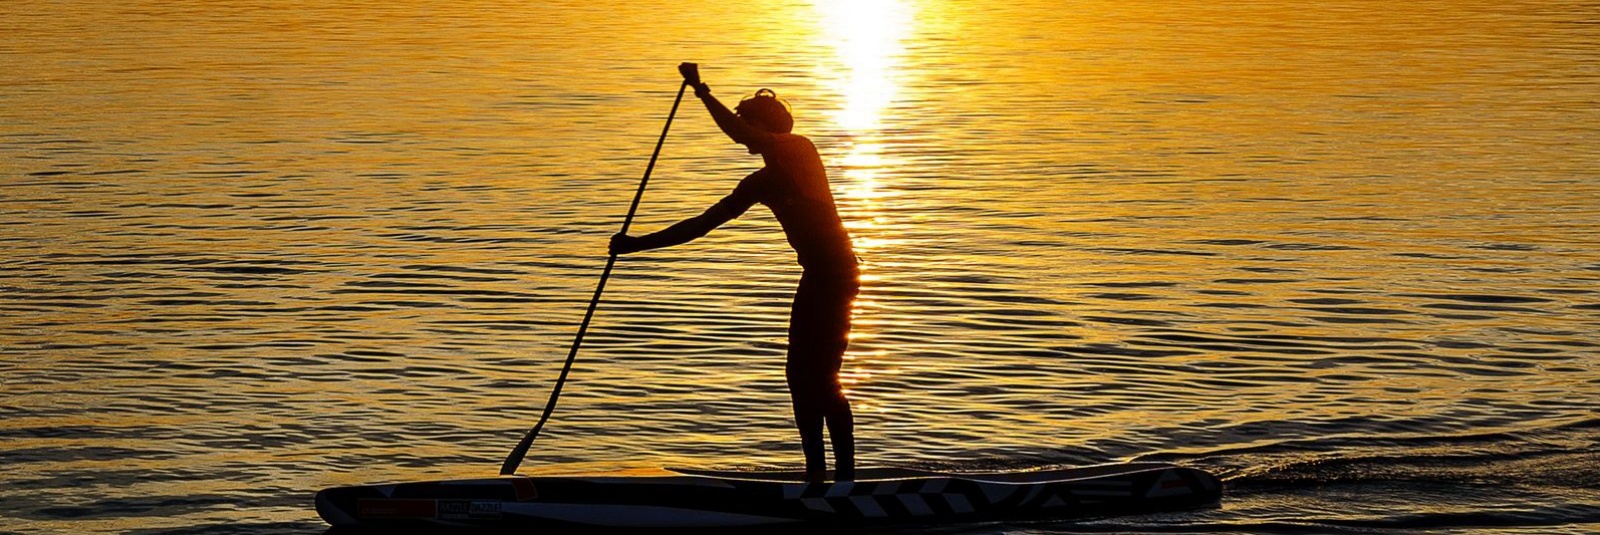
(812, 378)
(816, 348)
(812, 394)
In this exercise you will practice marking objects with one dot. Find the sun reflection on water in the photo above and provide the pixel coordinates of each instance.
(865, 36)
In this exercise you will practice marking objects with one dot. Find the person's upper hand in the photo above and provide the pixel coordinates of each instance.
(691, 76)
(690, 72)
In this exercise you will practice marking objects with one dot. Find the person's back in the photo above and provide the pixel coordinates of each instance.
(794, 185)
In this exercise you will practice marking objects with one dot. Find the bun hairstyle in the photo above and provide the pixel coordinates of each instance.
(766, 111)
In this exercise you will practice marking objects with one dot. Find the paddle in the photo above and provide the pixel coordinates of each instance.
(515, 458)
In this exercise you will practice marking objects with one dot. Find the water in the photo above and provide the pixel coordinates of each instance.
(1343, 255)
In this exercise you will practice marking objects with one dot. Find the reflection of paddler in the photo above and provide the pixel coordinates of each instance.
(794, 186)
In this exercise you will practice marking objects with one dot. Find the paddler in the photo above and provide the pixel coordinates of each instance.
(794, 186)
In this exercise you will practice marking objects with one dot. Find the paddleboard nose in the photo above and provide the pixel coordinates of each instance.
(330, 511)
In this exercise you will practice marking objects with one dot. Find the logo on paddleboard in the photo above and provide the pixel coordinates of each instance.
(468, 510)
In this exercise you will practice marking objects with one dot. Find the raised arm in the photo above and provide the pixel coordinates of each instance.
(736, 128)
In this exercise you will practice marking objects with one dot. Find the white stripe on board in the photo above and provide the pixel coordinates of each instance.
(869, 506)
(915, 504)
(995, 493)
(791, 492)
(841, 488)
(817, 504)
(958, 503)
(1112, 483)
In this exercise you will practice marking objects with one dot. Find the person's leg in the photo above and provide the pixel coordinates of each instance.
(809, 401)
(819, 329)
(808, 418)
(842, 432)
(836, 412)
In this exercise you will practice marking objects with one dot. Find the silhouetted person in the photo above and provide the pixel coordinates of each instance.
(795, 187)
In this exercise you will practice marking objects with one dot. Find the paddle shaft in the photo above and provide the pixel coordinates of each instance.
(515, 458)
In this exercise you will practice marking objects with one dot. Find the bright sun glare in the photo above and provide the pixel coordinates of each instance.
(866, 36)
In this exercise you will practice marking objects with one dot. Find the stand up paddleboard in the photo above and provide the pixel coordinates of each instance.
(715, 499)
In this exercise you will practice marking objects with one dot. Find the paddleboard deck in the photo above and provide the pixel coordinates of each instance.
(730, 499)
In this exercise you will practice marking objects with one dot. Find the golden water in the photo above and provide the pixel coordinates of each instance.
(255, 248)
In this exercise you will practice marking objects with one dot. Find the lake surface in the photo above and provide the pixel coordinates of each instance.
(1343, 254)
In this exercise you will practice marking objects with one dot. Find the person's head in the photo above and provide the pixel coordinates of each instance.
(766, 111)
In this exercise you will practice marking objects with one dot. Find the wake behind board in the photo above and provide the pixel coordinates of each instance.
(720, 499)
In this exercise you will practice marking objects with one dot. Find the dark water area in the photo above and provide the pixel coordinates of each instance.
(1342, 255)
